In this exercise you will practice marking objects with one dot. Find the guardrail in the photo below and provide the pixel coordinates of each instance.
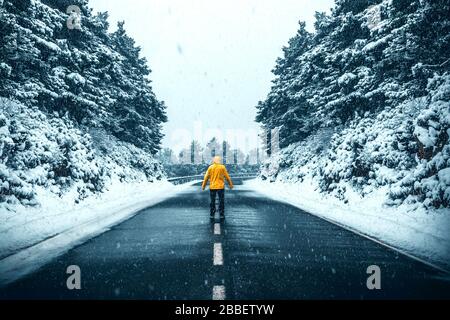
(186, 179)
(181, 180)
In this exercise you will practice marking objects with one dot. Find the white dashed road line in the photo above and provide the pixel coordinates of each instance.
(218, 254)
(218, 293)
(217, 229)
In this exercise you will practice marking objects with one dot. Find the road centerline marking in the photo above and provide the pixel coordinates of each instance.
(218, 254)
(218, 293)
(217, 229)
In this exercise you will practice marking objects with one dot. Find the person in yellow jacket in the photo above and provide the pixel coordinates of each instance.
(216, 174)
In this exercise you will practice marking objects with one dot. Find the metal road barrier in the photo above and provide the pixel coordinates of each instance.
(186, 179)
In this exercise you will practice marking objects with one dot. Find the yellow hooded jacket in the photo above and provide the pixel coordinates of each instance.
(216, 174)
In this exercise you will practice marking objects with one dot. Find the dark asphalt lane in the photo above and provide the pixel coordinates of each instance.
(270, 250)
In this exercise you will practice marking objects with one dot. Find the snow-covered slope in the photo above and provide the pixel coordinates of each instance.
(379, 150)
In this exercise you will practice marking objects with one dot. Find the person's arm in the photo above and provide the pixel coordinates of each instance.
(205, 180)
(230, 183)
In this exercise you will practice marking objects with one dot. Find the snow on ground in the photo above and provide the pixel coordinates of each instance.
(419, 233)
(30, 237)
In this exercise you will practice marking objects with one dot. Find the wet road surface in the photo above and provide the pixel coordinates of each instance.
(263, 250)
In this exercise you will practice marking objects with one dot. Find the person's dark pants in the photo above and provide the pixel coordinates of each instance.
(221, 193)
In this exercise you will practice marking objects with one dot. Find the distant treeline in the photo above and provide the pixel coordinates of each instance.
(195, 159)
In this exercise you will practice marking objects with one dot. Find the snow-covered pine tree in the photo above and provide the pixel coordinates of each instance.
(364, 72)
(76, 106)
(91, 75)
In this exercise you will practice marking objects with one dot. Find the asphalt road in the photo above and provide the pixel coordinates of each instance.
(263, 250)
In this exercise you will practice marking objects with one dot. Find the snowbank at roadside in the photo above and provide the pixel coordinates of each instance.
(30, 237)
(420, 233)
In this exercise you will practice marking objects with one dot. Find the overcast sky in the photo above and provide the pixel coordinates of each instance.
(211, 60)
